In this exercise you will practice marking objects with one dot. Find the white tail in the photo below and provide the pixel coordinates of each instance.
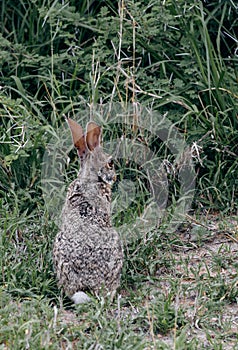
(80, 298)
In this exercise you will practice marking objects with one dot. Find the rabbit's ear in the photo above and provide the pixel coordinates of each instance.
(78, 138)
(93, 135)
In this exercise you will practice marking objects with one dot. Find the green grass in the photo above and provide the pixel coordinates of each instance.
(189, 301)
(141, 70)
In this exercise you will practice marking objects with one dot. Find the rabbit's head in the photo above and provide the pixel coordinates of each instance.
(95, 164)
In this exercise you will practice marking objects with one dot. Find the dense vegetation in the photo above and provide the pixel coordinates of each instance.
(113, 61)
(178, 57)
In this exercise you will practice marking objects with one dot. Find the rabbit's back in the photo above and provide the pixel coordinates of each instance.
(87, 251)
(88, 260)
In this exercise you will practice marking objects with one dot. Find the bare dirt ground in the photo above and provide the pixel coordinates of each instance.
(208, 263)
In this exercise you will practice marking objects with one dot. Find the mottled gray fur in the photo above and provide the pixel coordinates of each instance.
(87, 251)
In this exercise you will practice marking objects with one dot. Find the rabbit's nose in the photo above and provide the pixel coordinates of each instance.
(108, 177)
(112, 178)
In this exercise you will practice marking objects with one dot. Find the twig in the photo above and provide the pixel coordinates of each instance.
(228, 234)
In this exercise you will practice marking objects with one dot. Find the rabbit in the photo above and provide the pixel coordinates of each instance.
(87, 251)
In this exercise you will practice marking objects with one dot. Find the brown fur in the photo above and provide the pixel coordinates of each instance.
(87, 251)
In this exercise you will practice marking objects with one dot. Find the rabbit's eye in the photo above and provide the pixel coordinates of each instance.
(76, 187)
